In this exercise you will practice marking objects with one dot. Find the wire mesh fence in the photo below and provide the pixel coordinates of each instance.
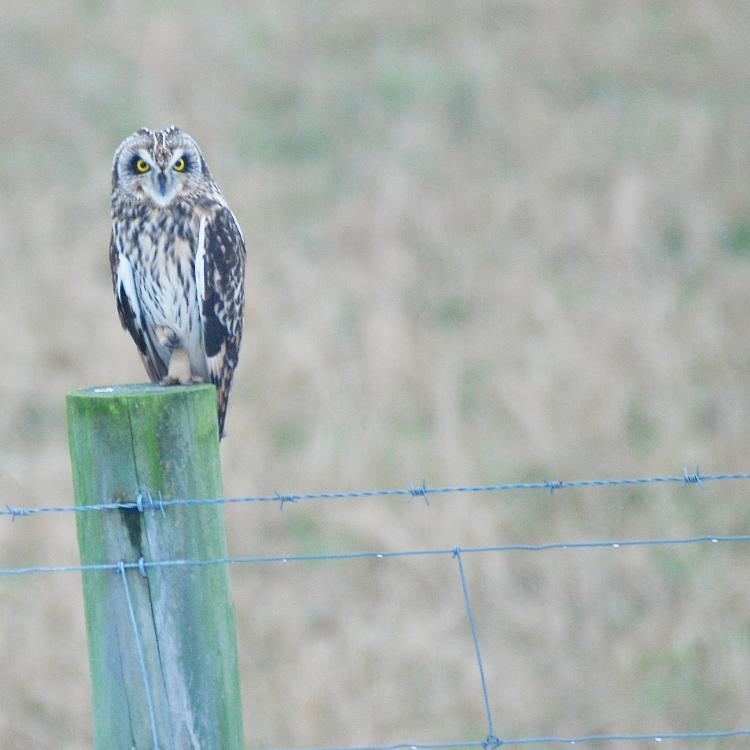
(146, 502)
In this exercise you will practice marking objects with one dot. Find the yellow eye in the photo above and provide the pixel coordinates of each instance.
(142, 166)
(179, 165)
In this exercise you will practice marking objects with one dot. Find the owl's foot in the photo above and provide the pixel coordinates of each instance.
(192, 380)
(170, 380)
(179, 369)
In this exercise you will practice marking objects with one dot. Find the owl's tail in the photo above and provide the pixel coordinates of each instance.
(222, 400)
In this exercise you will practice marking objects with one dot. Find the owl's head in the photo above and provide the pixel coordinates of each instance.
(160, 166)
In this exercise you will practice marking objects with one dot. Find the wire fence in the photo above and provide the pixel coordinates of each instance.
(146, 502)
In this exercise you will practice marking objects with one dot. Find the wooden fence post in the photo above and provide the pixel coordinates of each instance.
(162, 648)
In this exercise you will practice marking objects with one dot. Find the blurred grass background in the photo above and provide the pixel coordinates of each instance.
(488, 241)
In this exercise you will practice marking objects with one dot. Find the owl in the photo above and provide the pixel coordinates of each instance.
(178, 262)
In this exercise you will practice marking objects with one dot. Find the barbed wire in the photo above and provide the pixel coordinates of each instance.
(146, 501)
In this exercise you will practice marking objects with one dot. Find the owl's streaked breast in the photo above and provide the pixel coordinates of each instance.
(161, 251)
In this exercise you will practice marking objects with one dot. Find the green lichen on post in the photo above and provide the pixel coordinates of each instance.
(159, 443)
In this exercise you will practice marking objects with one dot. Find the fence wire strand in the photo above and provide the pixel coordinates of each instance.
(382, 554)
(145, 501)
(496, 742)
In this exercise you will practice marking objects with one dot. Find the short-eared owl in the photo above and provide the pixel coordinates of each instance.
(178, 261)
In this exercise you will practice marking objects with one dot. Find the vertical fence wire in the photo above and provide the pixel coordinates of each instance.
(141, 658)
(491, 740)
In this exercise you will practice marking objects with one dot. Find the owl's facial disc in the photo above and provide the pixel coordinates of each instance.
(161, 180)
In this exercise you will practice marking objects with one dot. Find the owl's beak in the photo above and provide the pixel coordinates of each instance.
(162, 183)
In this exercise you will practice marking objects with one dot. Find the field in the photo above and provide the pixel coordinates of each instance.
(488, 242)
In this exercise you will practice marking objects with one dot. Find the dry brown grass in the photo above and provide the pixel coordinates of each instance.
(488, 241)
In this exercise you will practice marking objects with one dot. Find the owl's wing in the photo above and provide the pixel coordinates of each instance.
(131, 316)
(220, 277)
